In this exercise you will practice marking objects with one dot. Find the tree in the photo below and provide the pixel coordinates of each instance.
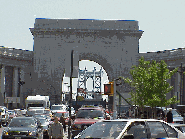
(149, 84)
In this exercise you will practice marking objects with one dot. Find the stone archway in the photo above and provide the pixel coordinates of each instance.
(111, 43)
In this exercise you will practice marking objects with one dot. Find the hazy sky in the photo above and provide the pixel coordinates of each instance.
(162, 21)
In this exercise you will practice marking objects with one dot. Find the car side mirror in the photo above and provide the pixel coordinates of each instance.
(128, 136)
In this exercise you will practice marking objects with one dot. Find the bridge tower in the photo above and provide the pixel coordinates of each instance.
(96, 76)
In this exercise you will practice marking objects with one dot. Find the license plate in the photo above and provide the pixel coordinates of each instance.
(17, 137)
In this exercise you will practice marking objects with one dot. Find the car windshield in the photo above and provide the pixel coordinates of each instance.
(89, 113)
(36, 107)
(22, 123)
(57, 108)
(104, 129)
(32, 112)
(62, 114)
(39, 111)
(175, 113)
(11, 112)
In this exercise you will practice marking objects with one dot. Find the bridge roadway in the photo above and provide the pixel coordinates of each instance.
(65, 134)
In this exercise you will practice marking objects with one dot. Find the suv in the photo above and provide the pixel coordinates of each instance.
(86, 116)
(4, 116)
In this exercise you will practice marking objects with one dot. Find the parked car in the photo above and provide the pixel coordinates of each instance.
(131, 128)
(4, 116)
(22, 127)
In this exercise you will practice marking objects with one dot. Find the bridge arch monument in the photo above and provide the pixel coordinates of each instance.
(114, 44)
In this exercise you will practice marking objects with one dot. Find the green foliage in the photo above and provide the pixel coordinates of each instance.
(150, 84)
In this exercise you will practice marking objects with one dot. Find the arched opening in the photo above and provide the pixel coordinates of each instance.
(89, 65)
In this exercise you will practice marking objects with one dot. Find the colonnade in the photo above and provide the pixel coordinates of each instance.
(11, 78)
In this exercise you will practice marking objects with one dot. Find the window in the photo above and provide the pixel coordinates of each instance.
(138, 129)
(157, 130)
(170, 131)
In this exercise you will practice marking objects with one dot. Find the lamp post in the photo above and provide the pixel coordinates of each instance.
(181, 78)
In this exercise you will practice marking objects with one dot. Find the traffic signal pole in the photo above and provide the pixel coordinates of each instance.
(70, 97)
(114, 102)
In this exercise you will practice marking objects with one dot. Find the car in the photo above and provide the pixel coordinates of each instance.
(17, 112)
(4, 116)
(48, 113)
(86, 116)
(23, 111)
(32, 111)
(58, 107)
(45, 127)
(22, 127)
(72, 110)
(11, 114)
(131, 128)
(36, 108)
(65, 114)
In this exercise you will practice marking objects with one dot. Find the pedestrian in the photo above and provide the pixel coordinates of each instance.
(169, 116)
(62, 121)
(56, 130)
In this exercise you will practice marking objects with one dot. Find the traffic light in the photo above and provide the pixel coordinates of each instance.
(109, 89)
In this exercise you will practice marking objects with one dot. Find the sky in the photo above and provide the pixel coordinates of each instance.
(161, 20)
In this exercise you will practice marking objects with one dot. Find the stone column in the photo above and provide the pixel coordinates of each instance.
(22, 96)
(2, 83)
(15, 84)
(8, 84)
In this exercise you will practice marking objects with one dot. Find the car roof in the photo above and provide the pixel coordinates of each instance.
(23, 118)
(177, 125)
(131, 120)
(90, 108)
(62, 112)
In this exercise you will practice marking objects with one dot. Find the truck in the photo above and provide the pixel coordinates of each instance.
(37, 101)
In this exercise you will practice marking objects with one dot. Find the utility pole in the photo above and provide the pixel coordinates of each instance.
(181, 86)
(70, 97)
